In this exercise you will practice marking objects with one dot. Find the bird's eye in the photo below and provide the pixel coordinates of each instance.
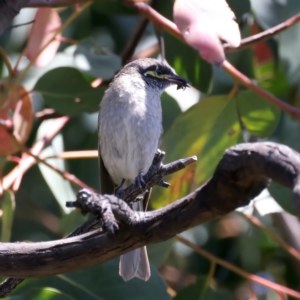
(159, 72)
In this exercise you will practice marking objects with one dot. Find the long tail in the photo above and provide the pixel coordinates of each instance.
(135, 263)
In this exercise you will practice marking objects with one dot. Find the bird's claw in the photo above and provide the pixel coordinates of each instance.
(119, 190)
(139, 181)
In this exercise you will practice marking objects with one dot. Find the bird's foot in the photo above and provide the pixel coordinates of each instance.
(119, 190)
(139, 181)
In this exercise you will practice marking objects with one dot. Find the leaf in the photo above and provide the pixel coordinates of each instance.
(60, 187)
(46, 22)
(102, 282)
(271, 13)
(170, 109)
(198, 291)
(205, 130)
(239, 7)
(272, 79)
(112, 7)
(96, 60)
(259, 116)
(8, 210)
(159, 252)
(18, 103)
(66, 90)
(46, 294)
(185, 60)
(287, 133)
(204, 24)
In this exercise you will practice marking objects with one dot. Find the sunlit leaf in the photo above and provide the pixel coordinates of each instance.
(259, 116)
(205, 130)
(66, 90)
(60, 187)
(46, 22)
(8, 210)
(18, 105)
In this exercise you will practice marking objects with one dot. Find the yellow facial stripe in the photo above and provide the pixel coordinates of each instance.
(154, 74)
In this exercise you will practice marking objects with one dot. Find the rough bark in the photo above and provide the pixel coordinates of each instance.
(242, 173)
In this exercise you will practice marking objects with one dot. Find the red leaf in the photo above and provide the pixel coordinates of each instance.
(47, 21)
(18, 103)
(204, 24)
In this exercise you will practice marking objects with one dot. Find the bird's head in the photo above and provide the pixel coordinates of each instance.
(155, 74)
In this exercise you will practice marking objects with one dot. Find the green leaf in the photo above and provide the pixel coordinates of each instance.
(271, 78)
(46, 294)
(60, 187)
(8, 210)
(112, 7)
(93, 58)
(170, 109)
(259, 116)
(287, 133)
(66, 90)
(198, 291)
(205, 130)
(101, 282)
(159, 252)
(239, 7)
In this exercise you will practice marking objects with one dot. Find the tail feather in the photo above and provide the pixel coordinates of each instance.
(135, 264)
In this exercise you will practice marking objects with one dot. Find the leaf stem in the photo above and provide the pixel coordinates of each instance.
(272, 285)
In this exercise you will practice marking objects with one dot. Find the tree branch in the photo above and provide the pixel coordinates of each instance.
(265, 35)
(241, 175)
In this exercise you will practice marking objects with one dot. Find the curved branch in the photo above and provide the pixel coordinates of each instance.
(241, 175)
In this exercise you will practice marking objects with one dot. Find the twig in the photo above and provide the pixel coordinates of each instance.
(169, 26)
(274, 286)
(73, 16)
(262, 36)
(28, 161)
(70, 177)
(53, 3)
(134, 40)
(244, 80)
(291, 250)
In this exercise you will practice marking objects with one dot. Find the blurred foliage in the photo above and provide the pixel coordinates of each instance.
(225, 114)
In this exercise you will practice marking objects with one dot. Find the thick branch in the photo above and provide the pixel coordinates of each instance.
(242, 174)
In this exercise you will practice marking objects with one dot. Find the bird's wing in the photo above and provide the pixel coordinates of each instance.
(106, 184)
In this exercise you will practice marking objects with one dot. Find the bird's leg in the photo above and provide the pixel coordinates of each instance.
(139, 181)
(119, 189)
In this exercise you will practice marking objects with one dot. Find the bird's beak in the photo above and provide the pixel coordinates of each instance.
(181, 82)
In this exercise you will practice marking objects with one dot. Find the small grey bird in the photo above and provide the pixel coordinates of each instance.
(129, 128)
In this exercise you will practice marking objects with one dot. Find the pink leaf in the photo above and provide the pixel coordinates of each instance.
(47, 21)
(204, 23)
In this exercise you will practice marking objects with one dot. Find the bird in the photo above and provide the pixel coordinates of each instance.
(129, 129)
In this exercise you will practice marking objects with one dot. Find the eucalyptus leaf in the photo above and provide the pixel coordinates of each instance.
(95, 59)
(170, 109)
(8, 210)
(259, 116)
(206, 130)
(101, 282)
(66, 90)
(60, 187)
(199, 290)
